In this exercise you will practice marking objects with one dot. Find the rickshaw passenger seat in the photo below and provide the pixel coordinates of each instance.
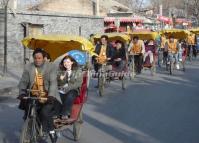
(80, 99)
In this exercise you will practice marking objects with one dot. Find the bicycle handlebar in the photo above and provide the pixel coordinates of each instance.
(130, 54)
(31, 90)
(36, 98)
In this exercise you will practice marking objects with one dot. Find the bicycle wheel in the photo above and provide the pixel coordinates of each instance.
(77, 127)
(171, 66)
(101, 84)
(130, 71)
(167, 67)
(183, 66)
(123, 83)
(191, 54)
(26, 131)
(132, 68)
(31, 130)
(153, 70)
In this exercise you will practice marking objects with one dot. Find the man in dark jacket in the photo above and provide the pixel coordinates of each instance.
(104, 51)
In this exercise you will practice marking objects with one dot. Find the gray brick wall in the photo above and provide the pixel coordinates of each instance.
(53, 23)
(1, 37)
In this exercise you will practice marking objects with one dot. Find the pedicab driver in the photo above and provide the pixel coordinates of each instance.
(41, 75)
(172, 46)
(104, 51)
(137, 48)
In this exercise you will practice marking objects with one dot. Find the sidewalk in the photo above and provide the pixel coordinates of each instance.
(9, 82)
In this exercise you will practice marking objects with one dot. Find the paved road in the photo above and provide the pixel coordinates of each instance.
(159, 109)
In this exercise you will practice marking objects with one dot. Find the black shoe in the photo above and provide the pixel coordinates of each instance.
(53, 137)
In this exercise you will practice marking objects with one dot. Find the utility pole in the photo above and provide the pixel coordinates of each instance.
(160, 14)
(5, 35)
(140, 6)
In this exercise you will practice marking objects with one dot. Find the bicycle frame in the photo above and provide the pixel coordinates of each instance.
(132, 63)
(32, 126)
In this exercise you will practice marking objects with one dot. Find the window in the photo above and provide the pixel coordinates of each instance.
(35, 29)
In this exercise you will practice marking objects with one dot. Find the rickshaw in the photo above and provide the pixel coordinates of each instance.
(178, 34)
(108, 72)
(56, 46)
(196, 32)
(145, 36)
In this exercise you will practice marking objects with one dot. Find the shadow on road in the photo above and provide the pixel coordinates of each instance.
(10, 124)
(162, 109)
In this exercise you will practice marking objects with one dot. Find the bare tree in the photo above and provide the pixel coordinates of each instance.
(193, 9)
(168, 5)
(134, 5)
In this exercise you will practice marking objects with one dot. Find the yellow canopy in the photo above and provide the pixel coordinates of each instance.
(145, 35)
(114, 36)
(195, 31)
(177, 33)
(57, 45)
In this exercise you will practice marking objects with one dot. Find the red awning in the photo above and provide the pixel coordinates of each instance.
(182, 20)
(130, 19)
(165, 19)
(125, 20)
(110, 27)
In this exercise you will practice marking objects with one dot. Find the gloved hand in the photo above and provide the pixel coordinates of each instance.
(20, 97)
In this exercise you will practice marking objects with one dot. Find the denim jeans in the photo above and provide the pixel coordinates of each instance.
(67, 101)
(119, 65)
(173, 57)
(180, 55)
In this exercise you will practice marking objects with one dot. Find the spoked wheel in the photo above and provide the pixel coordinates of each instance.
(183, 66)
(30, 132)
(77, 127)
(26, 131)
(191, 54)
(132, 70)
(101, 85)
(123, 83)
(171, 68)
(167, 67)
(183, 69)
(153, 70)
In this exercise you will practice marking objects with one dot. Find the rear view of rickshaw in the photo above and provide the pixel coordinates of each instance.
(173, 61)
(56, 46)
(109, 71)
(192, 41)
(150, 55)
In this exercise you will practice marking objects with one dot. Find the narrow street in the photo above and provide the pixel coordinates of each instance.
(159, 109)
